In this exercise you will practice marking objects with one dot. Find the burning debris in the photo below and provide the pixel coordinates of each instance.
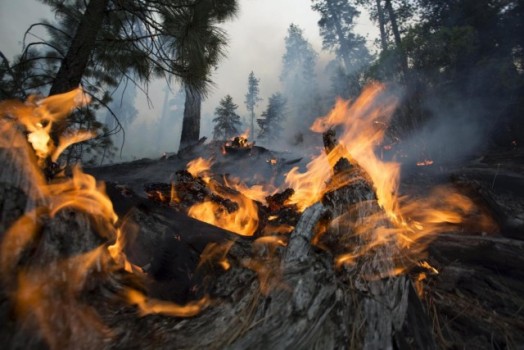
(330, 256)
(239, 145)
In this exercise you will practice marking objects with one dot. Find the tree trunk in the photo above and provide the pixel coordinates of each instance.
(252, 132)
(341, 37)
(396, 34)
(382, 26)
(75, 62)
(191, 121)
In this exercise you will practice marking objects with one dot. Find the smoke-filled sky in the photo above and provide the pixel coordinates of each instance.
(256, 42)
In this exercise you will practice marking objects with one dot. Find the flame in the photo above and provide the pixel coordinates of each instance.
(215, 252)
(412, 222)
(198, 166)
(173, 196)
(149, 306)
(38, 117)
(255, 192)
(68, 140)
(309, 186)
(243, 221)
(48, 293)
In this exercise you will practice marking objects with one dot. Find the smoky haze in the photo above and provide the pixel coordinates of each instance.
(456, 128)
(256, 43)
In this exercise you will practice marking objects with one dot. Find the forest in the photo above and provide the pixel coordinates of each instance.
(374, 200)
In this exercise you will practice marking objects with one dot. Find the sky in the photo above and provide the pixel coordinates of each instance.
(256, 43)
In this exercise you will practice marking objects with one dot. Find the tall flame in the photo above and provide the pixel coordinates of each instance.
(362, 129)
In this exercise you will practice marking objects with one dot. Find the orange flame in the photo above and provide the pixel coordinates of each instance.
(198, 166)
(243, 221)
(149, 306)
(38, 117)
(362, 123)
(52, 292)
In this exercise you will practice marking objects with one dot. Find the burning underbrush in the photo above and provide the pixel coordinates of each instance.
(65, 272)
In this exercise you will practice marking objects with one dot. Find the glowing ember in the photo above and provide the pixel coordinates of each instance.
(426, 162)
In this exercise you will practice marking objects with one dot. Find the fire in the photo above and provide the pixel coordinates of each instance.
(413, 221)
(198, 166)
(255, 192)
(243, 221)
(38, 116)
(48, 292)
(359, 137)
(149, 306)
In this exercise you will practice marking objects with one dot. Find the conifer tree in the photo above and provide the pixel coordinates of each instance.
(252, 100)
(227, 120)
(337, 22)
(271, 122)
(299, 79)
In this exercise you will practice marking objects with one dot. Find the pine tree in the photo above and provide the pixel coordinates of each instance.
(299, 79)
(179, 39)
(199, 45)
(227, 120)
(337, 22)
(271, 122)
(252, 100)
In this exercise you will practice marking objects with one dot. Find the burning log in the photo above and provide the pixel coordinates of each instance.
(281, 291)
(239, 145)
(185, 191)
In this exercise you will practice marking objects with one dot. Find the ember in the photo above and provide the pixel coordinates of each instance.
(426, 162)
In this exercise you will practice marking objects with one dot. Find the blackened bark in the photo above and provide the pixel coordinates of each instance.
(75, 62)
(191, 121)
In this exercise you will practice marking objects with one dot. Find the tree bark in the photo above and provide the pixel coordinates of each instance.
(382, 26)
(398, 41)
(341, 37)
(75, 62)
(252, 131)
(191, 121)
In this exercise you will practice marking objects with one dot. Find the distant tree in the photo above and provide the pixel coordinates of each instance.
(252, 100)
(300, 59)
(227, 120)
(271, 122)
(199, 44)
(337, 22)
(299, 78)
